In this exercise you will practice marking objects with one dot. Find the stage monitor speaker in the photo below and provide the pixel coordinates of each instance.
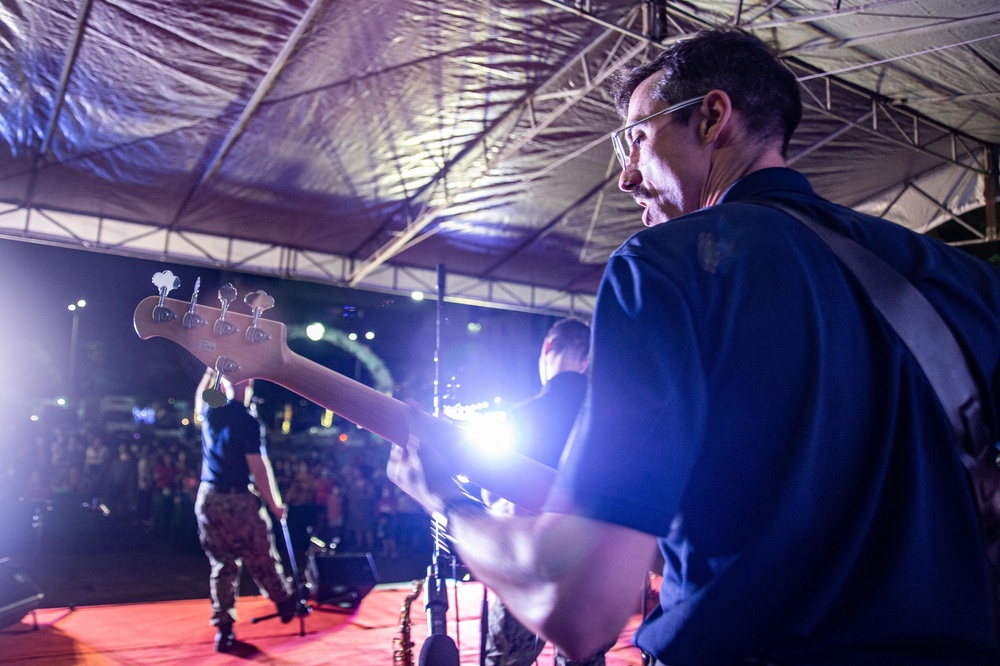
(341, 580)
(18, 595)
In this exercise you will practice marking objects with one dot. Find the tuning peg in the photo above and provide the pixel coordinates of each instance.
(165, 282)
(192, 319)
(227, 295)
(258, 301)
(214, 397)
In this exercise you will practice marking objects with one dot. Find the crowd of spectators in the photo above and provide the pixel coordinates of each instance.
(70, 482)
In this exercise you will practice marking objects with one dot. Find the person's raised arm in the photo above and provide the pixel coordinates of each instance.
(205, 383)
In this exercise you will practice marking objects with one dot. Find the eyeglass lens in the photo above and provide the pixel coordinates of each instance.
(620, 140)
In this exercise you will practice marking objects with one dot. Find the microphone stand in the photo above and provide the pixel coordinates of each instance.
(439, 649)
(302, 607)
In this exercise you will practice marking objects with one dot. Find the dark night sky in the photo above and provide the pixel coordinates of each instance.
(38, 282)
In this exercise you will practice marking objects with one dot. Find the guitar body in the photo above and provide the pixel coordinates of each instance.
(264, 354)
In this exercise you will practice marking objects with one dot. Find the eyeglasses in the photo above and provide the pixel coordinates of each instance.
(621, 140)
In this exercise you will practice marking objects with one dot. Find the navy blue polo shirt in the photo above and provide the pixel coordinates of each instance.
(750, 407)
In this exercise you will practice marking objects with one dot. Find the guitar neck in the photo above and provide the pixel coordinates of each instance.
(521, 480)
(381, 414)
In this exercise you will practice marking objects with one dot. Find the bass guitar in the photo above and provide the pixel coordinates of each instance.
(247, 346)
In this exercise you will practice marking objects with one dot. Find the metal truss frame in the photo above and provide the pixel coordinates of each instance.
(110, 236)
(619, 44)
(825, 93)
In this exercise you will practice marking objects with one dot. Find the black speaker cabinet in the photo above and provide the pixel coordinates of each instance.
(18, 595)
(340, 580)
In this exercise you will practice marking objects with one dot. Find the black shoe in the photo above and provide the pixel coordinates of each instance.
(286, 609)
(225, 638)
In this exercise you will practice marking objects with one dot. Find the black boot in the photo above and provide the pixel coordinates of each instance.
(287, 608)
(225, 638)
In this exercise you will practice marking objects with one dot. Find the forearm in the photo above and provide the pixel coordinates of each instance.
(545, 568)
(205, 383)
(263, 479)
(500, 549)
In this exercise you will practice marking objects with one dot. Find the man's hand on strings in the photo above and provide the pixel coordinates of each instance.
(420, 470)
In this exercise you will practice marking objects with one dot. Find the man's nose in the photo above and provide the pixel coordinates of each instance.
(630, 178)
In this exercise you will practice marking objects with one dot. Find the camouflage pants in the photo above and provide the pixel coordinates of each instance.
(509, 643)
(235, 531)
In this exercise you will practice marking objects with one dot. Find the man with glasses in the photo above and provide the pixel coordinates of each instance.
(749, 412)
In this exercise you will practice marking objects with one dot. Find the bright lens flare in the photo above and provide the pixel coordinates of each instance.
(490, 434)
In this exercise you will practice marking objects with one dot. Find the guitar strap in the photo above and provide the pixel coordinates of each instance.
(932, 343)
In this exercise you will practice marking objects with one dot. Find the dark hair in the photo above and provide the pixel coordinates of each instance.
(570, 334)
(761, 88)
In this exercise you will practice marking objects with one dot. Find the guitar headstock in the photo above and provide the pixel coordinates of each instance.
(250, 347)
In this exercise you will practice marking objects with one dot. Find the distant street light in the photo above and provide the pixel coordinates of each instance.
(75, 308)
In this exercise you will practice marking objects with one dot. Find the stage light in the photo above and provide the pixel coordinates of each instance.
(462, 413)
(474, 327)
(61, 402)
(370, 335)
(352, 336)
(417, 295)
(315, 332)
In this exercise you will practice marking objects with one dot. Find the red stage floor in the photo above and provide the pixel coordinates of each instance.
(172, 632)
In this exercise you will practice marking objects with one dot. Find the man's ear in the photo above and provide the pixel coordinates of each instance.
(717, 115)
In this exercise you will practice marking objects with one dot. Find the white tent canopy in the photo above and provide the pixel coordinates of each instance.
(364, 143)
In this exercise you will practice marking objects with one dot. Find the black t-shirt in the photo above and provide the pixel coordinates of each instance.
(228, 434)
(541, 425)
